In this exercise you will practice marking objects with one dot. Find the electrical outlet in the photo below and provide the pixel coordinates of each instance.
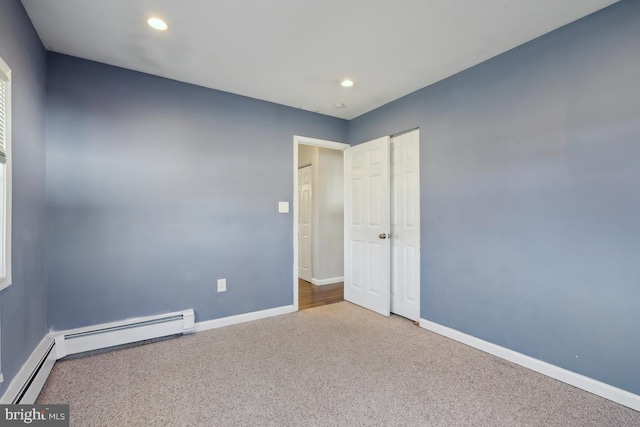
(222, 285)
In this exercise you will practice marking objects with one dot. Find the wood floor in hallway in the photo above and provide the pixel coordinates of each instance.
(311, 295)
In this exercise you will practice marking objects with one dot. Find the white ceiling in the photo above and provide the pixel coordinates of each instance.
(296, 52)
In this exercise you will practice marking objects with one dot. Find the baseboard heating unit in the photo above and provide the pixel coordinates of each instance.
(28, 382)
(119, 333)
(26, 385)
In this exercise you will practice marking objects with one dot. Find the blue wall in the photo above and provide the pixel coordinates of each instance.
(157, 188)
(23, 306)
(530, 196)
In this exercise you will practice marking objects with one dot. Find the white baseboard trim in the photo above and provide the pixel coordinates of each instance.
(329, 281)
(28, 382)
(596, 387)
(241, 318)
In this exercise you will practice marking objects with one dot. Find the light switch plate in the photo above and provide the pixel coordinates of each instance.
(222, 285)
(283, 207)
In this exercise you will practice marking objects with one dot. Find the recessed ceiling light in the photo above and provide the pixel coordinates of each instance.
(339, 105)
(157, 23)
(347, 83)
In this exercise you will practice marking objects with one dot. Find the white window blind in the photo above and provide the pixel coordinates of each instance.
(3, 117)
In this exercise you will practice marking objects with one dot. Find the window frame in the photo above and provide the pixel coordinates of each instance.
(6, 203)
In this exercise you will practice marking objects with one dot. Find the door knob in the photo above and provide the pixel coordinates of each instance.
(382, 235)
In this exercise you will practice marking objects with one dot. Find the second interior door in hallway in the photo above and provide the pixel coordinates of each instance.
(305, 222)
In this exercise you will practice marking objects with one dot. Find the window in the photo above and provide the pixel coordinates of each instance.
(5, 175)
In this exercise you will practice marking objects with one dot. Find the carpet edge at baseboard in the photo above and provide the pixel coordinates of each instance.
(580, 381)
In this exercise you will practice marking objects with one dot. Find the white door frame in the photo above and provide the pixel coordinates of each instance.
(297, 140)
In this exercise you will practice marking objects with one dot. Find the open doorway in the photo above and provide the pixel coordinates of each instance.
(372, 240)
(318, 222)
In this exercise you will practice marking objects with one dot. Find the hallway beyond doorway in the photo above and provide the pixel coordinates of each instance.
(314, 296)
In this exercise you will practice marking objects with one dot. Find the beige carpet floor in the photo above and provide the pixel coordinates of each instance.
(337, 365)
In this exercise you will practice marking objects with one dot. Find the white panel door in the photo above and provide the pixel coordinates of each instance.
(367, 279)
(405, 225)
(304, 222)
